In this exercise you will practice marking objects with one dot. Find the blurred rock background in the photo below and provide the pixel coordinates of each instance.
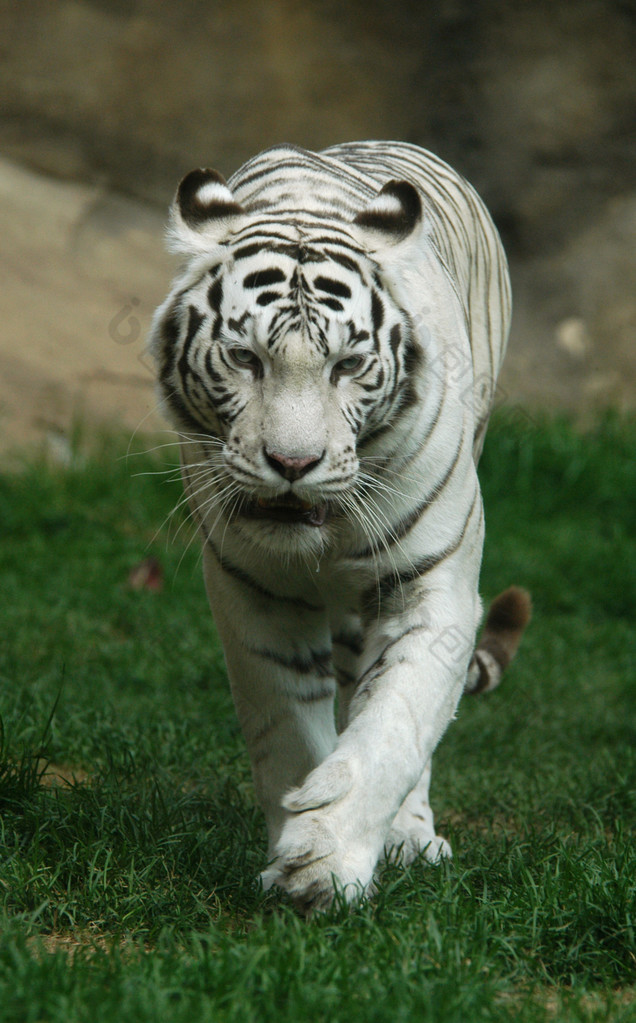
(106, 103)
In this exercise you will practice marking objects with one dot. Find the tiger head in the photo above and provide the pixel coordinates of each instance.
(286, 359)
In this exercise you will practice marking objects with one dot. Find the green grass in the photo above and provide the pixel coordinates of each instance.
(131, 895)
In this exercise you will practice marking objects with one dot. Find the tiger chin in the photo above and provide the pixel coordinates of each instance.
(328, 355)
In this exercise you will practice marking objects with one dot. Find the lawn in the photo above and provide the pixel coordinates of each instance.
(129, 838)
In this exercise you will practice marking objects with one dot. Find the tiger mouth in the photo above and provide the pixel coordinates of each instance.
(287, 508)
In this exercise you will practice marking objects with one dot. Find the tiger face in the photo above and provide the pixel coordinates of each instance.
(283, 358)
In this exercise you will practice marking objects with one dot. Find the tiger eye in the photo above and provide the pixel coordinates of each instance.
(351, 363)
(244, 357)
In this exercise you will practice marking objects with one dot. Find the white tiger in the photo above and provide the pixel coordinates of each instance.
(328, 356)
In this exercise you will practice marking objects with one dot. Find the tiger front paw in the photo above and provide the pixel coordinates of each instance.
(320, 850)
(311, 867)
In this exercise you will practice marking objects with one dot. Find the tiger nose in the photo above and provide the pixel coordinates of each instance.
(292, 467)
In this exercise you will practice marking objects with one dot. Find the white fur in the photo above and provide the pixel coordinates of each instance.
(337, 803)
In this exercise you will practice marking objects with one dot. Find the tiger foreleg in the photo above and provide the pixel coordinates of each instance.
(340, 818)
(413, 829)
(281, 682)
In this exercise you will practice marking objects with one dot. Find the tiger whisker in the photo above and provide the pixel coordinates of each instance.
(388, 470)
(380, 486)
(183, 501)
(239, 498)
(351, 504)
(214, 498)
(203, 511)
(387, 538)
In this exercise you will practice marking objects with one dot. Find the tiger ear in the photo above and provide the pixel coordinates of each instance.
(393, 214)
(202, 211)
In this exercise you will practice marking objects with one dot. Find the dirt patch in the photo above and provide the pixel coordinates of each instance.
(85, 943)
(56, 775)
(556, 1002)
